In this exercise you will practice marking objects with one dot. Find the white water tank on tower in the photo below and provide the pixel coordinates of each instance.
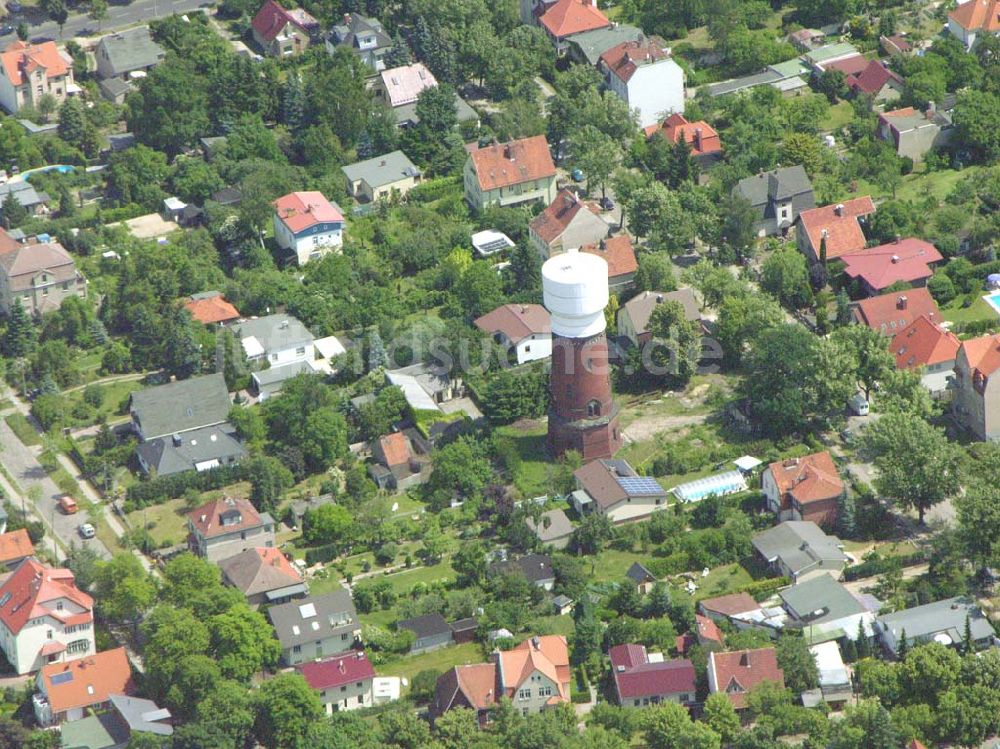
(575, 290)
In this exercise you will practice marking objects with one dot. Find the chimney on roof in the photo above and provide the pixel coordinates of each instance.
(508, 152)
(382, 163)
(659, 298)
(895, 259)
(895, 239)
(902, 302)
(203, 518)
(839, 209)
(745, 659)
(536, 643)
(347, 19)
(697, 138)
(341, 667)
(176, 440)
(824, 233)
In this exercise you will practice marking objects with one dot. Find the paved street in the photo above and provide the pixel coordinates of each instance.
(119, 15)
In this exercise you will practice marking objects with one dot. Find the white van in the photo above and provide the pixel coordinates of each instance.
(858, 405)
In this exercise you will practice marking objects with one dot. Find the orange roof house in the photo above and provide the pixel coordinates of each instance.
(263, 575)
(567, 222)
(890, 313)
(472, 687)
(68, 689)
(506, 174)
(620, 257)
(547, 655)
(15, 547)
(734, 674)
(926, 346)
(300, 211)
(974, 17)
(624, 59)
(839, 225)
(21, 59)
(211, 308)
(702, 137)
(564, 18)
(976, 386)
(805, 488)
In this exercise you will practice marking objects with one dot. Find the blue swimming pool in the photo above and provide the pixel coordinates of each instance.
(994, 301)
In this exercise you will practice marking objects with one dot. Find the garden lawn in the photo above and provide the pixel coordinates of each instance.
(535, 475)
(169, 525)
(979, 310)
(20, 425)
(840, 114)
(722, 580)
(115, 394)
(611, 564)
(437, 660)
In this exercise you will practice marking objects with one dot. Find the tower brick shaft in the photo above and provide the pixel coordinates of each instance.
(583, 415)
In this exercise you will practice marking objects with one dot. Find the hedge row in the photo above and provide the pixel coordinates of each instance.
(322, 554)
(762, 589)
(881, 565)
(163, 488)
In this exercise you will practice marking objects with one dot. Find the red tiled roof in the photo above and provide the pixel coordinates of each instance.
(347, 668)
(907, 260)
(676, 127)
(707, 629)
(636, 677)
(566, 17)
(736, 673)
(208, 519)
(848, 65)
(554, 220)
(896, 42)
(15, 545)
(476, 682)
(20, 58)
(211, 310)
(516, 321)
(548, 654)
(843, 232)
(976, 15)
(271, 19)
(730, 605)
(872, 78)
(617, 252)
(301, 210)
(395, 448)
(983, 353)
(890, 313)
(33, 585)
(811, 478)
(624, 59)
(922, 343)
(506, 164)
(92, 680)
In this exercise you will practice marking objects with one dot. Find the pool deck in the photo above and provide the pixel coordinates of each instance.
(993, 299)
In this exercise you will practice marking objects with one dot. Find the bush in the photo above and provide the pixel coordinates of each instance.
(879, 565)
(941, 288)
(322, 554)
(163, 488)
(423, 685)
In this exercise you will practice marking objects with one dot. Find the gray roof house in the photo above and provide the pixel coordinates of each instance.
(825, 610)
(431, 631)
(536, 568)
(373, 178)
(590, 45)
(799, 549)
(125, 52)
(364, 36)
(406, 114)
(553, 528)
(778, 197)
(25, 194)
(315, 626)
(113, 728)
(142, 715)
(941, 621)
(194, 450)
(180, 406)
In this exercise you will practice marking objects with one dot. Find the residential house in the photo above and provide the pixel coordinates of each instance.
(892, 312)
(806, 488)
(823, 609)
(974, 18)
(643, 579)
(565, 18)
(193, 450)
(634, 316)
(976, 393)
(30, 71)
(281, 32)
(942, 621)
(113, 728)
(587, 47)
(820, 58)
(835, 227)
(15, 547)
(406, 114)
(34, 202)
(896, 45)
(706, 634)
(344, 682)
(524, 329)
(643, 679)
(926, 347)
(315, 626)
(364, 36)
(567, 223)
(472, 687)
(914, 133)
(903, 261)
(613, 488)
(848, 65)
(431, 631)
(520, 171)
(66, 691)
(44, 617)
(425, 386)
(41, 275)
(403, 85)
(392, 174)
(877, 82)
(127, 55)
(644, 75)
(211, 308)
(223, 528)
(307, 225)
(263, 576)
(552, 528)
(722, 608)
(283, 343)
(734, 674)
(788, 77)
(799, 550)
(397, 467)
(706, 147)
(806, 40)
(778, 197)
(562, 605)
(536, 568)
(619, 255)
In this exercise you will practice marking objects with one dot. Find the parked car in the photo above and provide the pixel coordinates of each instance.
(858, 405)
(6, 29)
(87, 531)
(68, 505)
(607, 203)
(577, 175)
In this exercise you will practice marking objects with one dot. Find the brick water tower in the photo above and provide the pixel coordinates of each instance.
(582, 417)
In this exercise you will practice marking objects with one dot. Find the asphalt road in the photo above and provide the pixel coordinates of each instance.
(119, 15)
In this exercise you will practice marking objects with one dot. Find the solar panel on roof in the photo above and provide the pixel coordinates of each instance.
(639, 485)
(62, 678)
(494, 245)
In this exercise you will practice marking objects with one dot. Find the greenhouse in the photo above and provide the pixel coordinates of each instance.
(719, 485)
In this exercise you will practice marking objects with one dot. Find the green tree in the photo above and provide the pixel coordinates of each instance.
(20, 337)
(479, 290)
(868, 725)
(596, 155)
(785, 274)
(720, 715)
(135, 175)
(741, 317)
(975, 114)
(171, 633)
(14, 214)
(797, 662)
(655, 273)
(328, 524)
(242, 642)
(870, 350)
(286, 707)
(677, 341)
(124, 588)
(269, 478)
(98, 12)
(461, 469)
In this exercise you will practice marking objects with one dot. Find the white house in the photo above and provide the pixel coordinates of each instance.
(44, 617)
(972, 18)
(926, 347)
(30, 71)
(284, 343)
(344, 682)
(68, 691)
(525, 329)
(646, 78)
(307, 224)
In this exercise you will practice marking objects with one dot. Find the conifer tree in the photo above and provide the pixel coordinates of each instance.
(20, 336)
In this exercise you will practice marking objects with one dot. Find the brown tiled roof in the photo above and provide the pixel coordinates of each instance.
(15, 545)
(730, 605)
(922, 343)
(554, 220)
(617, 252)
(506, 164)
(625, 58)
(476, 682)
(259, 570)
(676, 127)
(736, 673)
(211, 310)
(872, 78)
(976, 15)
(707, 629)
(271, 19)
(516, 321)
(208, 519)
(848, 65)
(566, 17)
(395, 448)
(22, 262)
(91, 681)
(890, 313)
(843, 232)
(811, 478)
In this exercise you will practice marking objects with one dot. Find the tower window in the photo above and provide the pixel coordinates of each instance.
(594, 408)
